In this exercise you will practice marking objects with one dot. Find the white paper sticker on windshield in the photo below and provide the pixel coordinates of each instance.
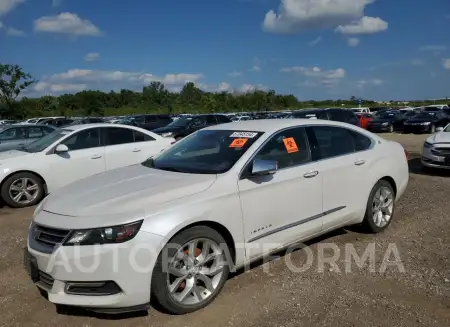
(248, 135)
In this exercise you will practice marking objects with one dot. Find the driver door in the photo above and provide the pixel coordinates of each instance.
(86, 157)
(282, 208)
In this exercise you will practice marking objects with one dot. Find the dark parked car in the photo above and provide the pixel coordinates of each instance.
(426, 122)
(186, 125)
(384, 122)
(16, 136)
(150, 122)
(57, 122)
(87, 120)
(336, 114)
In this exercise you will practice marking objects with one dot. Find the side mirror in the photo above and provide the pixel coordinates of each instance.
(264, 167)
(439, 129)
(61, 148)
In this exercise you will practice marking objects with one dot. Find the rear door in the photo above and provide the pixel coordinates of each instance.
(343, 156)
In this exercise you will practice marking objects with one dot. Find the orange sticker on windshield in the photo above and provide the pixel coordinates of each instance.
(290, 145)
(238, 143)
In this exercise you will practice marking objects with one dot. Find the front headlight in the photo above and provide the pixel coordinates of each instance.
(170, 134)
(105, 235)
(427, 145)
(385, 124)
(427, 123)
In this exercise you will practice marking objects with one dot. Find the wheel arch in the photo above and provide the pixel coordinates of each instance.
(218, 227)
(391, 181)
(25, 171)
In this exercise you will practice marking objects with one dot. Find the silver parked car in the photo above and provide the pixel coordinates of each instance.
(16, 136)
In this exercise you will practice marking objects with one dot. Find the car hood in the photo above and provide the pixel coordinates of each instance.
(168, 129)
(13, 154)
(134, 189)
(440, 137)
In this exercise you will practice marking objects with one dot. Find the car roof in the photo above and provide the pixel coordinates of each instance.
(29, 125)
(86, 126)
(272, 125)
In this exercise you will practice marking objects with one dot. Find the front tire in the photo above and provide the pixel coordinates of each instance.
(187, 278)
(22, 190)
(380, 207)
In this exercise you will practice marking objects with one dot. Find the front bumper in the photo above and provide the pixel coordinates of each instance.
(419, 128)
(126, 268)
(430, 159)
(378, 128)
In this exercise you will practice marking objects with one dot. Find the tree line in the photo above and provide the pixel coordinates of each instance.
(154, 98)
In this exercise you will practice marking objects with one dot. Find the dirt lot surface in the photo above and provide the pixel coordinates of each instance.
(420, 296)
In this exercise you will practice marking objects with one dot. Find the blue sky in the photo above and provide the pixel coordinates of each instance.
(314, 49)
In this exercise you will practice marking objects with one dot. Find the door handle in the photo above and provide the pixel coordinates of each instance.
(311, 174)
(96, 156)
(136, 150)
(360, 162)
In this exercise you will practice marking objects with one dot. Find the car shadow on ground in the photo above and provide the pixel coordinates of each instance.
(415, 167)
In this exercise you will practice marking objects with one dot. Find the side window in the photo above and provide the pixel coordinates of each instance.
(211, 120)
(35, 132)
(223, 119)
(198, 122)
(337, 115)
(333, 141)
(117, 135)
(362, 142)
(151, 119)
(85, 139)
(352, 119)
(139, 119)
(47, 130)
(141, 137)
(289, 148)
(16, 133)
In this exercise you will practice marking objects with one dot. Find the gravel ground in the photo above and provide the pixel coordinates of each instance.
(273, 295)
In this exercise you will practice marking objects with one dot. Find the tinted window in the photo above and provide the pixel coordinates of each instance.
(85, 139)
(139, 119)
(362, 142)
(198, 122)
(333, 141)
(211, 120)
(141, 137)
(318, 114)
(16, 133)
(352, 119)
(47, 130)
(223, 119)
(35, 132)
(117, 135)
(288, 148)
(337, 115)
(150, 119)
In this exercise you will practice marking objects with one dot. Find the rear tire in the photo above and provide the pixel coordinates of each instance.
(22, 190)
(380, 207)
(192, 268)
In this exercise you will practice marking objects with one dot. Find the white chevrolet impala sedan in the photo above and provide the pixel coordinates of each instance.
(173, 227)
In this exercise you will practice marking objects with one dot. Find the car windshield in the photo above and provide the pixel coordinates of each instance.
(446, 111)
(45, 141)
(180, 122)
(424, 115)
(205, 152)
(309, 114)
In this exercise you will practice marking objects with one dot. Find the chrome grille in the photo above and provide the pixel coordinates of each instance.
(441, 151)
(49, 237)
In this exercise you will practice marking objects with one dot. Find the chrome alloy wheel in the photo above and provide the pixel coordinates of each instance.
(24, 190)
(382, 206)
(195, 271)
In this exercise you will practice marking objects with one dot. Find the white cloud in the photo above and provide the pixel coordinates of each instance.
(235, 74)
(75, 80)
(92, 56)
(315, 41)
(15, 32)
(369, 82)
(255, 68)
(365, 25)
(7, 5)
(318, 76)
(56, 3)
(446, 63)
(353, 41)
(224, 87)
(66, 23)
(249, 88)
(301, 15)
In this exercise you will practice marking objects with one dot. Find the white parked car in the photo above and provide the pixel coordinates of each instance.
(436, 149)
(69, 154)
(172, 227)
